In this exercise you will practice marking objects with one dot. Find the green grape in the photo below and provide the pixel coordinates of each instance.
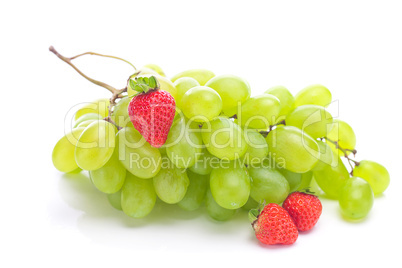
(137, 155)
(305, 180)
(144, 70)
(201, 75)
(312, 119)
(164, 84)
(343, 133)
(205, 163)
(120, 113)
(100, 107)
(326, 156)
(330, 178)
(195, 192)
(292, 149)
(257, 149)
(230, 185)
(224, 139)
(314, 187)
(375, 174)
(201, 104)
(162, 150)
(313, 94)
(87, 117)
(171, 184)
(260, 112)
(233, 91)
(86, 123)
(286, 99)
(63, 152)
(138, 196)
(109, 178)
(356, 198)
(268, 185)
(294, 179)
(115, 200)
(184, 146)
(155, 68)
(182, 86)
(251, 204)
(215, 211)
(95, 145)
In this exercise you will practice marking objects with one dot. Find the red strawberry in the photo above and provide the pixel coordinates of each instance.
(305, 209)
(275, 226)
(152, 111)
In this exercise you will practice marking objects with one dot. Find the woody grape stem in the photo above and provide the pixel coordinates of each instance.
(345, 153)
(116, 93)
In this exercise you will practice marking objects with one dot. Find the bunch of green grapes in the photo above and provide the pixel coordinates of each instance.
(225, 149)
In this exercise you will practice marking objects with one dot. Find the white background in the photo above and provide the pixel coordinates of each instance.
(56, 220)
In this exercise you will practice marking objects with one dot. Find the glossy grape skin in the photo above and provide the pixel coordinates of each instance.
(268, 184)
(315, 120)
(330, 178)
(305, 180)
(326, 156)
(215, 211)
(201, 75)
(155, 68)
(204, 164)
(375, 174)
(115, 200)
(232, 89)
(87, 117)
(109, 178)
(195, 192)
(286, 99)
(137, 155)
(251, 204)
(294, 179)
(164, 84)
(138, 196)
(184, 146)
(95, 145)
(356, 198)
(120, 113)
(201, 104)
(224, 139)
(315, 188)
(171, 184)
(86, 123)
(183, 85)
(259, 112)
(63, 152)
(343, 133)
(257, 147)
(100, 107)
(230, 185)
(292, 149)
(313, 94)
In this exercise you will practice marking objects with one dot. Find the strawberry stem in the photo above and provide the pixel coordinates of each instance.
(253, 215)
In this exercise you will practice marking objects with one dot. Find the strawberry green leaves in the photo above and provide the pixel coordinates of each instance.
(144, 84)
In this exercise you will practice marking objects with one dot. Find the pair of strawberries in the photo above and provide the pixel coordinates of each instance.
(280, 225)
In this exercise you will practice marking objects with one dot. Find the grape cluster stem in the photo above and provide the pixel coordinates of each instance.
(265, 133)
(345, 153)
(116, 93)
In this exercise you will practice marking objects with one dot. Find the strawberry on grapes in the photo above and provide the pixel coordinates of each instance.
(152, 110)
(304, 208)
(274, 226)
